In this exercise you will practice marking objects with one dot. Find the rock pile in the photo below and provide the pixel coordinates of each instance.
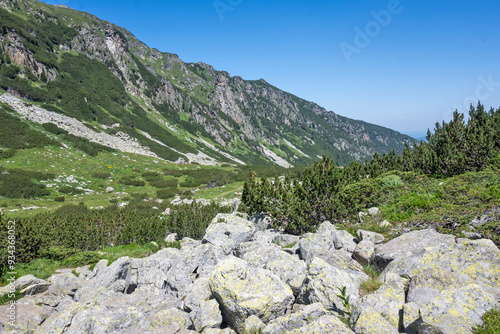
(244, 278)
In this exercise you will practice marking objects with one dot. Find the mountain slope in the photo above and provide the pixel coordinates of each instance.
(75, 64)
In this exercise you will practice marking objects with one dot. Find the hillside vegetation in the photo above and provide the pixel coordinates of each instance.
(447, 182)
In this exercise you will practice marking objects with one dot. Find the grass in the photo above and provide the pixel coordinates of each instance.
(491, 323)
(372, 284)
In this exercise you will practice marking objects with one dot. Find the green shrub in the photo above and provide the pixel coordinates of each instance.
(101, 175)
(59, 199)
(70, 190)
(166, 193)
(164, 183)
(83, 258)
(491, 323)
(58, 252)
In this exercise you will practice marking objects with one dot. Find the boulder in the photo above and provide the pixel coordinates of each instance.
(266, 236)
(253, 324)
(207, 315)
(27, 318)
(297, 320)
(453, 311)
(375, 237)
(65, 284)
(325, 324)
(385, 305)
(198, 293)
(116, 271)
(169, 317)
(364, 252)
(228, 231)
(323, 282)
(407, 245)
(243, 290)
(373, 211)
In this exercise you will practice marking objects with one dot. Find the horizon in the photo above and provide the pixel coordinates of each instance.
(404, 65)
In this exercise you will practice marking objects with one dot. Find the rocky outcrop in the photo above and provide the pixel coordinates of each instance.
(240, 278)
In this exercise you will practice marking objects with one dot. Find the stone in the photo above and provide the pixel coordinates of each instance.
(385, 224)
(169, 317)
(296, 320)
(228, 231)
(253, 324)
(325, 324)
(27, 318)
(371, 321)
(407, 245)
(243, 290)
(323, 282)
(171, 237)
(382, 306)
(207, 315)
(374, 237)
(452, 311)
(110, 189)
(373, 211)
(364, 252)
(361, 216)
(65, 284)
(117, 270)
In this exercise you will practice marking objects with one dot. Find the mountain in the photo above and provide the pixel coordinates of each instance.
(96, 81)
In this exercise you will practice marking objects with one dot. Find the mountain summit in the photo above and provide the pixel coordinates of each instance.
(85, 73)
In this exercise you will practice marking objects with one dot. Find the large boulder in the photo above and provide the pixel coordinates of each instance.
(324, 281)
(454, 311)
(296, 320)
(24, 319)
(385, 305)
(119, 269)
(243, 290)
(325, 324)
(207, 315)
(407, 245)
(228, 231)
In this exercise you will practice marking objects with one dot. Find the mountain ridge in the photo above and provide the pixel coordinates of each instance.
(172, 107)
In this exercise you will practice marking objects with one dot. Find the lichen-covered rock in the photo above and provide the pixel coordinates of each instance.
(297, 320)
(387, 302)
(198, 293)
(116, 271)
(364, 251)
(408, 244)
(371, 321)
(207, 315)
(151, 272)
(28, 284)
(292, 271)
(65, 284)
(325, 324)
(468, 261)
(253, 324)
(25, 318)
(375, 237)
(58, 322)
(454, 311)
(228, 231)
(243, 290)
(324, 281)
(169, 317)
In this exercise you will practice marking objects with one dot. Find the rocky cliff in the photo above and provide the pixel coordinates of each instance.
(97, 72)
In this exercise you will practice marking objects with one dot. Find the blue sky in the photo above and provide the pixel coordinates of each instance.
(403, 64)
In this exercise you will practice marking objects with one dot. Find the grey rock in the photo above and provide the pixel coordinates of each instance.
(296, 320)
(35, 289)
(171, 237)
(375, 237)
(266, 236)
(385, 304)
(207, 315)
(117, 270)
(385, 224)
(253, 324)
(169, 317)
(472, 235)
(198, 293)
(364, 252)
(65, 284)
(243, 290)
(407, 245)
(325, 324)
(373, 211)
(324, 281)
(25, 319)
(228, 231)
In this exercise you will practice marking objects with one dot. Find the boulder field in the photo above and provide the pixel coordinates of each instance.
(244, 278)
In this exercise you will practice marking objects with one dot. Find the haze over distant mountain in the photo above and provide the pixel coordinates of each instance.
(95, 80)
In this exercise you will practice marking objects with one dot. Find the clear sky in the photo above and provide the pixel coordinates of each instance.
(403, 64)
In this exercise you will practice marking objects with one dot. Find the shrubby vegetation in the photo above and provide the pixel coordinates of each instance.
(462, 155)
(76, 228)
(17, 183)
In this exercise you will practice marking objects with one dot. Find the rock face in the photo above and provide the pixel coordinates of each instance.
(237, 280)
